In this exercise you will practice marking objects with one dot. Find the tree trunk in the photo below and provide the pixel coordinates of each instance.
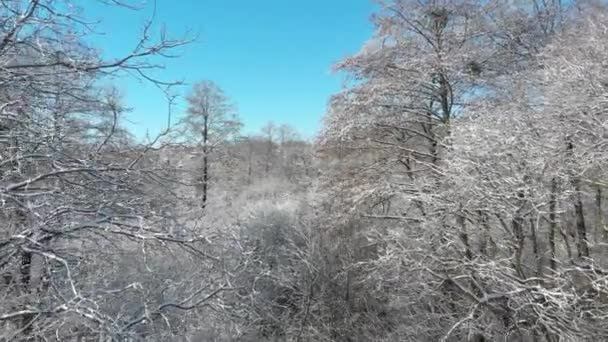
(486, 242)
(601, 231)
(553, 223)
(518, 231)
(268, 157)
(205, 160)
(25, 270)
(536, 249)
(249, 167)
(464, 236)
(581, 229)
(566, 242)
(517, 225)
(205, 180)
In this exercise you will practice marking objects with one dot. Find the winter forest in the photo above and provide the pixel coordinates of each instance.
(457, 190)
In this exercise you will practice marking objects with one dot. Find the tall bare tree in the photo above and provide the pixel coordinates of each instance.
(210, 121)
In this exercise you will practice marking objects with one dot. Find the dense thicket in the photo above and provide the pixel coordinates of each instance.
(476, 134)
(456, 192)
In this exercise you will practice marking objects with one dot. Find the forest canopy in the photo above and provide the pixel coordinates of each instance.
(456, 190)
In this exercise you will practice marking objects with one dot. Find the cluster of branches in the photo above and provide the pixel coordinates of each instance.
(86, 224)
(219, 158)
(461, 197)
(472, 149)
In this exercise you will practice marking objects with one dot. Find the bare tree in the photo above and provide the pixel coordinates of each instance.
(210, 121)
(76, 201)
(461, 170)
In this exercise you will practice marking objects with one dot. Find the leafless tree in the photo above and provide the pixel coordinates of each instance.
(211, 121)
(458, 174)
(75, 191)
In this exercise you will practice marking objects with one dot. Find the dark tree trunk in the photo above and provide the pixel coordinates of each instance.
(249, 167)
(205, 161)
(536, 249)
(582, 245)
(518, 231)
(553, 223)
(464, 236)
(517, 225)
(601, 231)
(581, 229)
(25, 270)
(26, 277)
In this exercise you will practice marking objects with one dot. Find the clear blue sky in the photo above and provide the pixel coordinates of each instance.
(272, 57)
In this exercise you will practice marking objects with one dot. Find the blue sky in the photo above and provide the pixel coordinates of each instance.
(272, 57)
